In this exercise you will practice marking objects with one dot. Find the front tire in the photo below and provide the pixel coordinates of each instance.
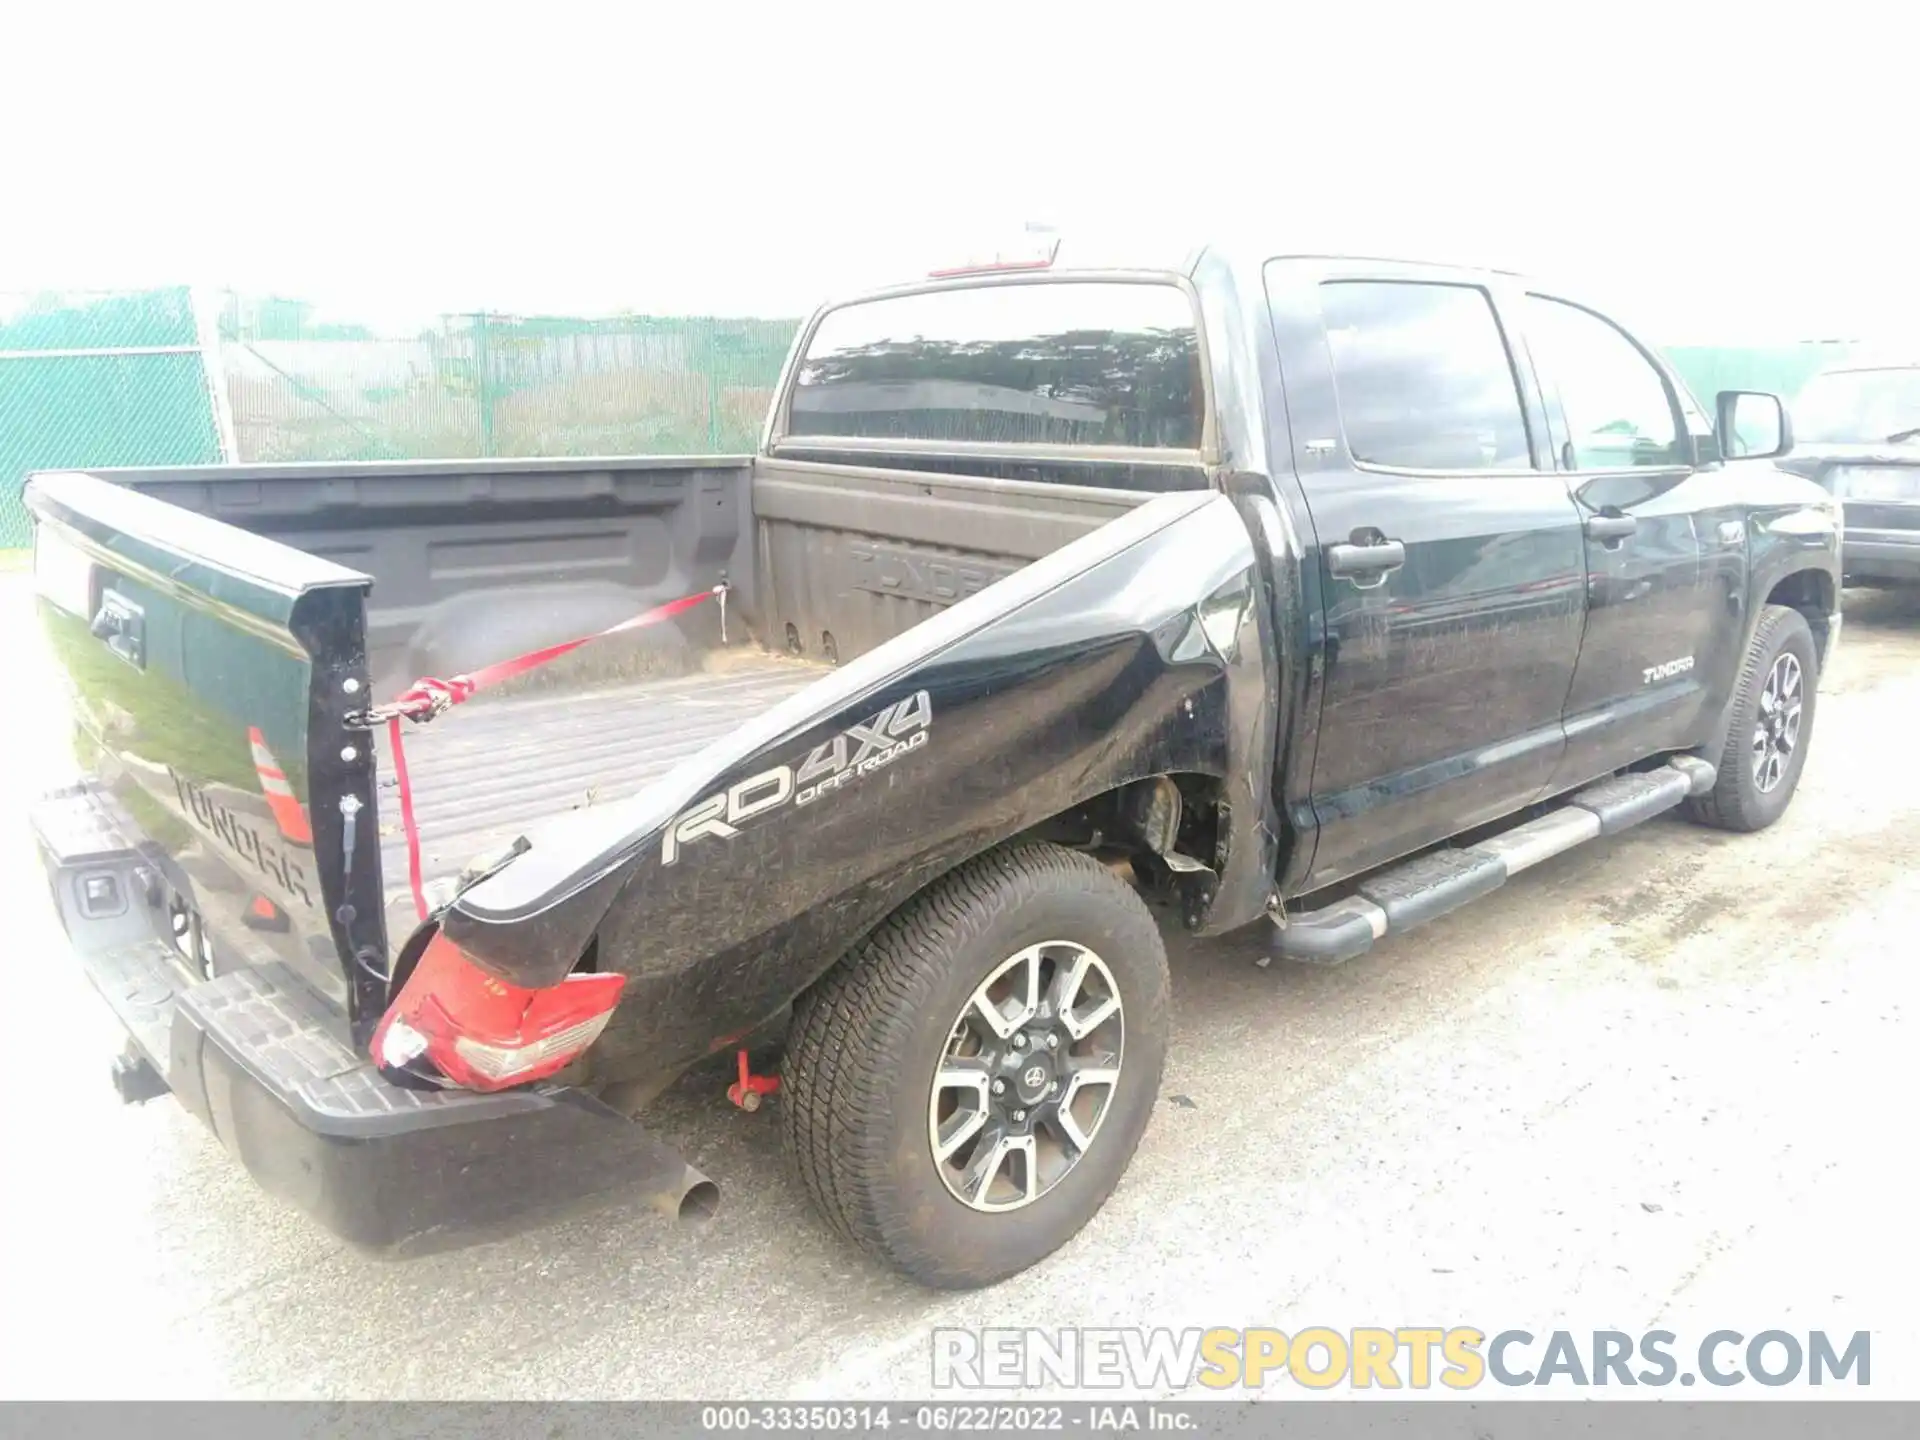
(963, 1091)
(1770, 728)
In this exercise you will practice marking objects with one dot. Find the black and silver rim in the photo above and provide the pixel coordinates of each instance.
(1031, 1066)
(1777, 730)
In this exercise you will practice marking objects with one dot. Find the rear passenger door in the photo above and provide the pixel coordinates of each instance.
(1661, 573)
(1449, 561)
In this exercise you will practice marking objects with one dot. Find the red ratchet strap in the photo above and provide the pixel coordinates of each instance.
(427, 698)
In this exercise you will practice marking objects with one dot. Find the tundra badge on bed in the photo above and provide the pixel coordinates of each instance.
(897, 730)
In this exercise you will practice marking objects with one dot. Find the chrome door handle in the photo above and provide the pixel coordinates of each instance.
(1611, 527)
(1374, 559)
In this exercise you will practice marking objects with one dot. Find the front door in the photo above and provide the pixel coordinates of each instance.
(1449, 566)
(1657, 588)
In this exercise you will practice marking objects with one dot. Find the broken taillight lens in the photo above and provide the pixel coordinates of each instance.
(479, 1032)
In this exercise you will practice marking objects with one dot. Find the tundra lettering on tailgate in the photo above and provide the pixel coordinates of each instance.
(243, 836)
(859, 750)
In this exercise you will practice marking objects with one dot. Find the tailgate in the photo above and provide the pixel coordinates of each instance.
(214, 675)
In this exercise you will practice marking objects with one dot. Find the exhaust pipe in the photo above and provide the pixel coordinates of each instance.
(658, 1174)
(697, 1203)
(671, 1186)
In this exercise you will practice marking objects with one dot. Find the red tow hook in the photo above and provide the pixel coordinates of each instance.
(747, 1090)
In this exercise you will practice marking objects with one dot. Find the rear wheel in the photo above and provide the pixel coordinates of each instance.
(1772, 723)
(962, 1092)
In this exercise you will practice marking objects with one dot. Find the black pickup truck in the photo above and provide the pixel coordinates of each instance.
(1318, 595)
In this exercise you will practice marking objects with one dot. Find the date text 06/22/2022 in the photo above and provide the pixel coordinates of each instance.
(941, 1419)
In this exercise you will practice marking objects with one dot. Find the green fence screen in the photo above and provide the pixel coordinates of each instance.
(486, 385)
(98, 380)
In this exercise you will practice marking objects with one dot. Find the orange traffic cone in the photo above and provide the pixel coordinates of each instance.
(287, 813)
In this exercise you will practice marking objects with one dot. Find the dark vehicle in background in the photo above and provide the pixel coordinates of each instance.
(1319, 595)
(1856, 431)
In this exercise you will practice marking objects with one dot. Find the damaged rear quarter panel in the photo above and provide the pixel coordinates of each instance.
(721, 894)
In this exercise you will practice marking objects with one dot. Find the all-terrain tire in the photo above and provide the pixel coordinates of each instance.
(867, 1039)
(1737, 801)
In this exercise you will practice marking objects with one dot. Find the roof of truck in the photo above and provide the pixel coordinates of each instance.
(1110, 248)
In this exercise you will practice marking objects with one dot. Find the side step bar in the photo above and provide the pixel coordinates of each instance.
(1430, 885)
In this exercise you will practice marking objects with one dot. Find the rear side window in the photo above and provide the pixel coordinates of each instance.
(1061, 363)
(1423, 376)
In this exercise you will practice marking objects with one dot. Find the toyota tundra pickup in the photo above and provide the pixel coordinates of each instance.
(1256, 589)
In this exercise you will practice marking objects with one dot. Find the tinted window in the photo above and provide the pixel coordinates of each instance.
(1423, 376)
(1052, 364)
(1617, 409)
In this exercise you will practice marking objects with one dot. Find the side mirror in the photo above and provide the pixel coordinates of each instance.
(1752, 425)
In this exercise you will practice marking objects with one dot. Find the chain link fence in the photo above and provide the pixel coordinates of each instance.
(168, 377)
(485, 385)
(172, 378)
(99, 379)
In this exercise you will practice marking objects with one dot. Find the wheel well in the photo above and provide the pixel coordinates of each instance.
(1811, 592)
(1134, 826)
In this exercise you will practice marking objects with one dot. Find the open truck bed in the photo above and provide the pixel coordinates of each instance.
(473, 562)
(492, 771)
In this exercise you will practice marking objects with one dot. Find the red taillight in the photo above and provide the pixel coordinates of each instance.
(482, 1033)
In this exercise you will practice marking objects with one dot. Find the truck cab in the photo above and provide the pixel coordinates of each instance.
(1525, 531)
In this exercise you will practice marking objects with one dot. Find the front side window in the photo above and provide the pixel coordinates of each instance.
(1618, 412)
(1423, 377)
(1055, 363)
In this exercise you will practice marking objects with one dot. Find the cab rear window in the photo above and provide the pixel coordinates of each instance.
(1054, 363)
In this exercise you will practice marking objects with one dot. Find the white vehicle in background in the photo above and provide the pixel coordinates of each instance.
(1857, 432)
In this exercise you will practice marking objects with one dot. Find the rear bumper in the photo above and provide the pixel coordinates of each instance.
(1879, 554)
(263, 1061)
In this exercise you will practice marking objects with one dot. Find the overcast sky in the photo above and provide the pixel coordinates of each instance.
(1714, 172)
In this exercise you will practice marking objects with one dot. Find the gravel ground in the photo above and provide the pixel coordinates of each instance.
(1657, 1081)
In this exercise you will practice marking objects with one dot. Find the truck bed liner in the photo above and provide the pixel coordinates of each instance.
(489, 771)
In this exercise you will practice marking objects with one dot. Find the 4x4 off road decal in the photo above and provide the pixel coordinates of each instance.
(900, 729)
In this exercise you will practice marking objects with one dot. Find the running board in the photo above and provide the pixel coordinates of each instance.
(1430, 885)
